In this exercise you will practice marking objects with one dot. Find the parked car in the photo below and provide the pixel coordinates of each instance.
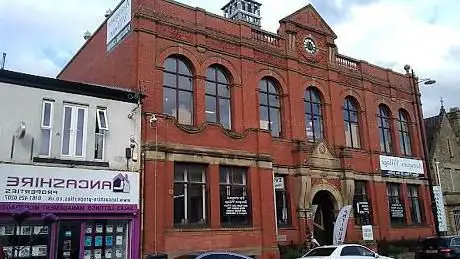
(438, 247)
(349, 251)
(213, 255)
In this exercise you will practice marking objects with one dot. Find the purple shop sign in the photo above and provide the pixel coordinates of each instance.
(63, 208)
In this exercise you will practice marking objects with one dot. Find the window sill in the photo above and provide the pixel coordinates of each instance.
(286, 227)
(209, 229)
(48, 160)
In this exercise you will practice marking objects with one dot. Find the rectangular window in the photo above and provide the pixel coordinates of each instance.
(101, 126)
(103, 239)
(395, 204)
(46, 128)
(74, 131)
(234, 197)
(282, 201)
(457, 221)
(415, 204)
(449, 147)
(101, 117)
(190, 195)
(361, 204)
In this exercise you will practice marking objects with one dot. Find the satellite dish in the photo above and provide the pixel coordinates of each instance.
(21, 131)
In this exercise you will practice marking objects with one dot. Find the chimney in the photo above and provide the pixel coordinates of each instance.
(87, 35)
(243, 10)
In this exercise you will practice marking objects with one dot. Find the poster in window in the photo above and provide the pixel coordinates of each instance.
(99, 228)
(41, 230)
(98, 241)
(396, 210)
(118, 253)
(2, 230)
(8, 250)
(67, 245)
(88, 241)
(108, 253)
(236, 206)
(119, 240)
(9, 230)
(108, 240)
(87, 254)
(68, 233)
(26, 230)
(66, 254)
(120, 229)
(98, 254)
(41, 250)
(89, 230)
(109, 229)
(24, 251)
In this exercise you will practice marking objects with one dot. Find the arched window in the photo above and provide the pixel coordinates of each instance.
(404, 133)
(313, 115)
(270, 106)
(218, 97)
(384, 122)
(350, 118)
(178, 90)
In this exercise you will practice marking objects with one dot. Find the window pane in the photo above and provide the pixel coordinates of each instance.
(224, 90)
(272, 87)
(80, 132)
(66, 131)
(211, 74)
(102, 119)
(264, 121)
(275, 122)
(45, 142)
(179, 172)
(170, 64)
(318, 128)
(355, 134)
(196, 174)
(224, 113)
(99, 141)
(346, 115)
(263, 98)
(183, 68)
(348, 134)
(169, 101)
(179, 204)
(263, 86)
(221, 78)
(354, 116)
(210, 88)
(274, 100)
(47, 114)
(309, 126)
(185, 108)
(185, 83)
(170, 80)
(195, 204)
(211, 109)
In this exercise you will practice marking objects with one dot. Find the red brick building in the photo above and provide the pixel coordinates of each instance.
(254, 129)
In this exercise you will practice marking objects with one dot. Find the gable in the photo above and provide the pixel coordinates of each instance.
(441, 147)
(308, 17)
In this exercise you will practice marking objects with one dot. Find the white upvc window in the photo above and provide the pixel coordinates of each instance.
(46, 125)
(101, 127)
(74, 131)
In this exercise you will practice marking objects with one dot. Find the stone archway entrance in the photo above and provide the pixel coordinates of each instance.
(323, 224)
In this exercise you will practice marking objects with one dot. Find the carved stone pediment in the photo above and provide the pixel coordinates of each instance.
(322, 157)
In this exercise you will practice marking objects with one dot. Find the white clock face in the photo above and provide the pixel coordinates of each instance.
(309, 45)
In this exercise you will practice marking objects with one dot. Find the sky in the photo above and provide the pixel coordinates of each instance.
(40, 36)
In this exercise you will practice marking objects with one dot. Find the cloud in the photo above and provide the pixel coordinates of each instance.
(41, 36)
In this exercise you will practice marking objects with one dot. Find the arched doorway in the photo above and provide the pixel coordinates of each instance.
(323, 225)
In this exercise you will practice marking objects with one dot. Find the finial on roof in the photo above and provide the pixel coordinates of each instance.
(442, 106)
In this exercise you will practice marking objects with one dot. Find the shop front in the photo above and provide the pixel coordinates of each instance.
(68, 213)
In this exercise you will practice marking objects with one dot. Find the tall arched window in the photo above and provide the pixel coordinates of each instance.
(218, 97)
(350, 118)
(384, 122)
(270, 106)
(404, 133)
(313, 115)
(178, 90)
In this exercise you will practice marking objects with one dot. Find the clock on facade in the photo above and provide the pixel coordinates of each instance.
(309, 45)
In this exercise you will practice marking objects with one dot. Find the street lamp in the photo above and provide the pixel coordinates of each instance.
(415, 83)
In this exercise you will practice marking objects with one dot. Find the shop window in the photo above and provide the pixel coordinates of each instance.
(313, 115)
(30, 241)
(101, 127)
(384, 123)
(395, 204)
(282, 201)
(178, 90)
(270, 106)
(190, 197)
(234, 197)
(415, 204)
(106, 239)
(46, 128)
(362, 208)
(350, 117)
(404, 133)
(74, 131)
(218, 97)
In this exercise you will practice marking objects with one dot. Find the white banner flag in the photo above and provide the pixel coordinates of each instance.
(340, 227)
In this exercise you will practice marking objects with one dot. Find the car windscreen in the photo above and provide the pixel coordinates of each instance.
(320, 251)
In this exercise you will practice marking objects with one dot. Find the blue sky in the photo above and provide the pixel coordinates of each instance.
(40, 36)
